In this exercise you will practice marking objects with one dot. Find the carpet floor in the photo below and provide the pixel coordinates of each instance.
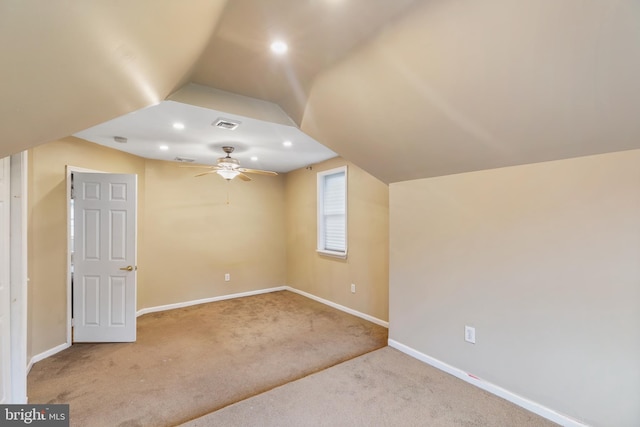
(381, 388)
(192, 361)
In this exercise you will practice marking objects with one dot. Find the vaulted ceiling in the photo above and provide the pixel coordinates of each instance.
(405, 89)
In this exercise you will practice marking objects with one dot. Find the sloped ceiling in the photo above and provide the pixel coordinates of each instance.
(404, 89)
(318, 33)
(69, 65)
(459, 86)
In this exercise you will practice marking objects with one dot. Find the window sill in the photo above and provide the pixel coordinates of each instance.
(333, 254)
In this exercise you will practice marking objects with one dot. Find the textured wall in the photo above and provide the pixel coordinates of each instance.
(367, 262)
(542, 260)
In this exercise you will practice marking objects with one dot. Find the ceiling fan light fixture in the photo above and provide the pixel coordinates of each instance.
(228, 174)
(228, 163)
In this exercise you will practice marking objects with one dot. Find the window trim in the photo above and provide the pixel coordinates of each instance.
(320, 212)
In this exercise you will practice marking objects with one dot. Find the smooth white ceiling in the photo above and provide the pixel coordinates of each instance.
(148, 129)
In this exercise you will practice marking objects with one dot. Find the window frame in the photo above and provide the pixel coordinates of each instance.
(321, 180)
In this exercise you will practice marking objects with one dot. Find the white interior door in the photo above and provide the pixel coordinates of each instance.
(104, 260)
(5, 305)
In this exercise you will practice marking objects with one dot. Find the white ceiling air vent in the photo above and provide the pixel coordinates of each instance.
(184, 159)
(226, 124)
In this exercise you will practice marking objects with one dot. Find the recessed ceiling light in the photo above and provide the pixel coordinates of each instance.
(287, 143)
(279, 47)
(164, 147)
(178, 125)
(254, 158)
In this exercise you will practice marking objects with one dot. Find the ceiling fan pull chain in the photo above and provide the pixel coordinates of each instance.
(228, 202)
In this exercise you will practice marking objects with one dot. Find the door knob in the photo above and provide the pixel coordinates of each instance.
(127, 268)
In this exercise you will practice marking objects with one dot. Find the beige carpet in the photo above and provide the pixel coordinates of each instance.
(189, 362)
(382, 388)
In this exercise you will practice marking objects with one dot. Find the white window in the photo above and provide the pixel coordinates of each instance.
(332, 212)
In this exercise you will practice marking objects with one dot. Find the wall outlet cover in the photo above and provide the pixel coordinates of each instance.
(470, 334)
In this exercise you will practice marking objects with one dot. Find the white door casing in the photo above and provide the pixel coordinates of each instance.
(19, 279)
(5, 296)
(104, 284)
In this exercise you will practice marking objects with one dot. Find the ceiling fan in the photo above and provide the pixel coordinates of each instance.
(228, 167)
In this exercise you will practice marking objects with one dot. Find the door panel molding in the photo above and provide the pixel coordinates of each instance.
(104, 297)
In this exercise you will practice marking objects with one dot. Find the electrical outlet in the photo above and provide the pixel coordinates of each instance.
(353, 288)
(227, 277)
(470, 334)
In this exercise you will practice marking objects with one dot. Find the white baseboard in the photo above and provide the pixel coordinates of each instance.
(340, 307)
(207, 300)
(45, 354)
(264, 291)
(140, 312)
(525, 403)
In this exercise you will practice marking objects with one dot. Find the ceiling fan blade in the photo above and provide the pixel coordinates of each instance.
(243, 177)
(258, 171)
(206, 173)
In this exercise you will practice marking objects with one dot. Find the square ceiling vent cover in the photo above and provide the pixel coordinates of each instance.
(184, 159)
(226, 124)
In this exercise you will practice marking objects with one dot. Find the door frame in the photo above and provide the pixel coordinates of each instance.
(15, 260)
(6, 330)
(70, 170)
(19, 275)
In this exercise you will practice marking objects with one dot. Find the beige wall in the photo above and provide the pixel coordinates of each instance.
(195, 237)
(543, 260)
(47, 230)
(188, 237)
(367, 263)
